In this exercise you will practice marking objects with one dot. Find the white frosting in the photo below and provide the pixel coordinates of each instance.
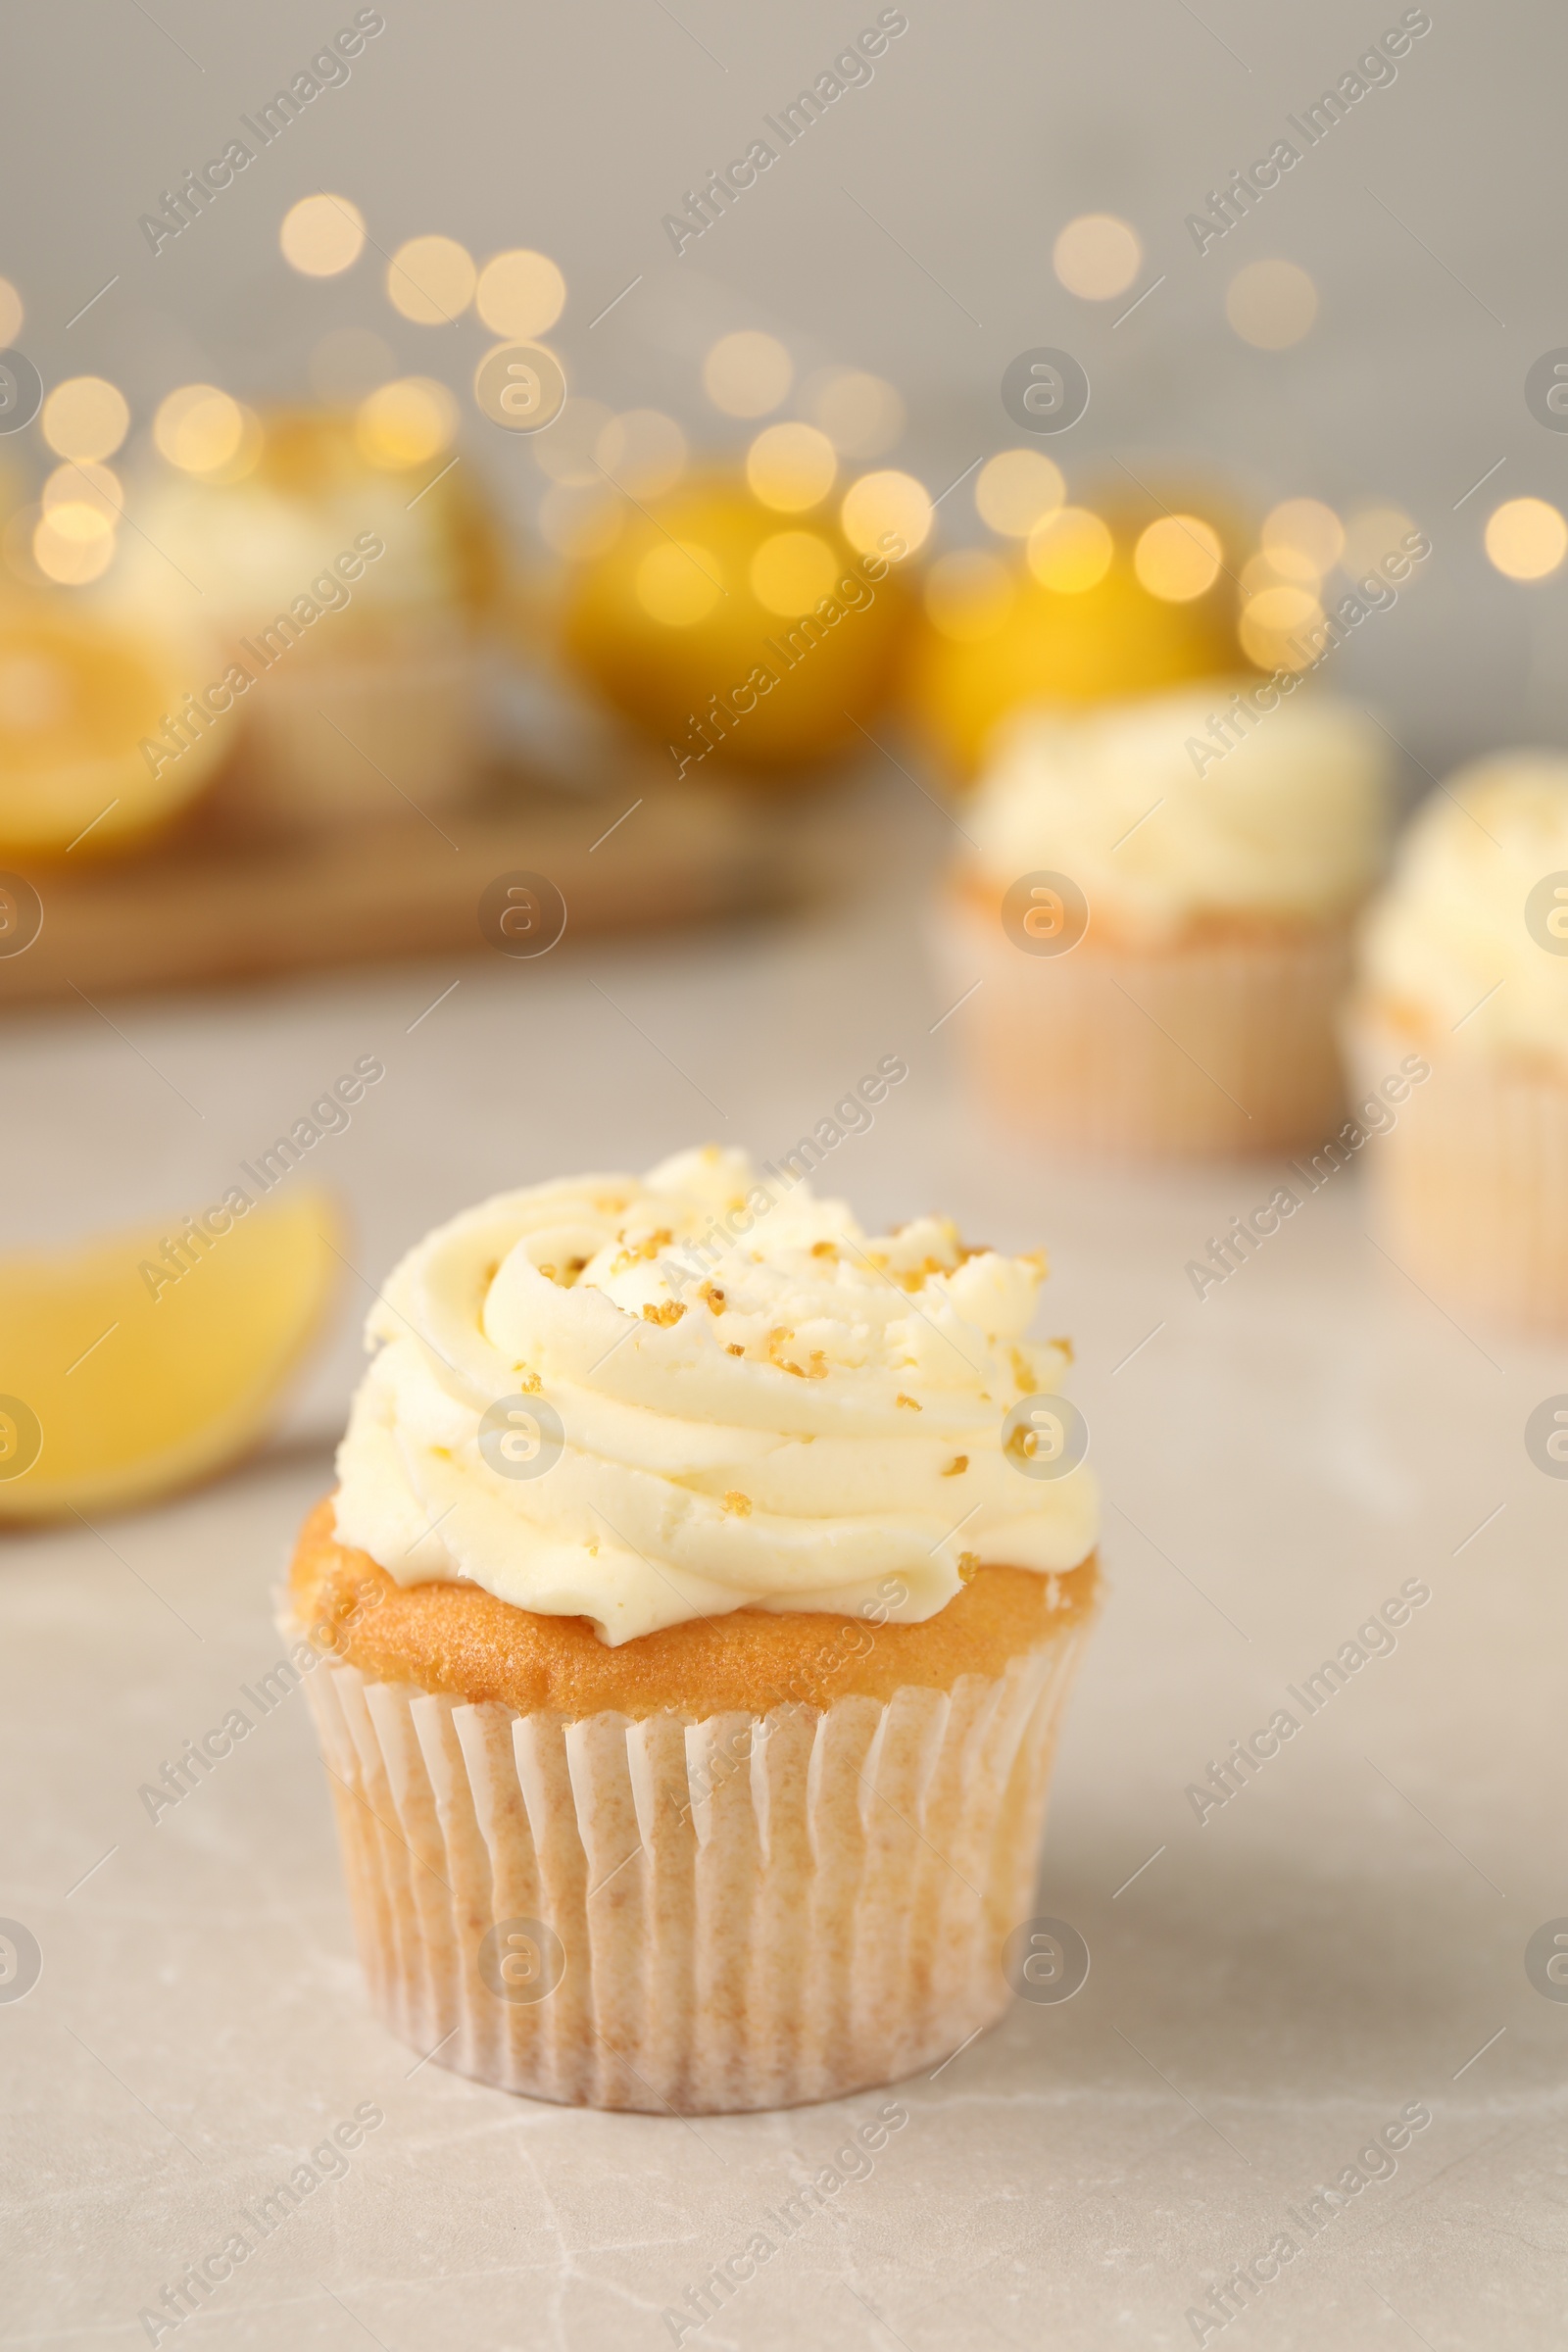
(1291, 822)
(252, 549)
(1452, 930)
(785, 1434)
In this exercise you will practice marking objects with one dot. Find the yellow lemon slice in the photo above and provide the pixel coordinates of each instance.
(79, 696)
(146, 1360)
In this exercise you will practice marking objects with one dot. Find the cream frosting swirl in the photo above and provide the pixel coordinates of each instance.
(760, 1405)
(1460, 939)
(1159, 823)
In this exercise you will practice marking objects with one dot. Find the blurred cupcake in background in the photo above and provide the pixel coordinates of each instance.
(1463, 991)
(343, 578)
(1153, 923)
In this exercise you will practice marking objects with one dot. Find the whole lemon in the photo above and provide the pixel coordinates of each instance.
(718, 624)
(1071, 619)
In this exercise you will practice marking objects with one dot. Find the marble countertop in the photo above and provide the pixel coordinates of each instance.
(1342, 1943)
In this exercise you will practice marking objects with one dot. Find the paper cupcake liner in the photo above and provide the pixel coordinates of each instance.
(1470, 1189)
(410, 706)
(1210, 1047)
(749, 1911)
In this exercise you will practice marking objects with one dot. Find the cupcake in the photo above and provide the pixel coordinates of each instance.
(690, 1630)
(344, 670)
(1153, 922)
(1463, 991)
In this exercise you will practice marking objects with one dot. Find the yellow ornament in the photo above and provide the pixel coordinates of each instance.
(1092, 608)
(724, 626)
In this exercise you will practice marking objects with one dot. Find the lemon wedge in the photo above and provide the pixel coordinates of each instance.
(79, 696)
(146, 1360)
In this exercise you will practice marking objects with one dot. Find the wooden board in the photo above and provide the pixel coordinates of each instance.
(213, 906)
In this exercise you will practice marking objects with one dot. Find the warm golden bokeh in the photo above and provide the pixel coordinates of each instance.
(78, 484)
(569, 451)
(1179, 556)
(1372, 533)
(861, 415)
(1526, 538)
(85, 416)
(747, 373)
(11, 312)
(322, 235)
(1071, 551)
(73, 543)
(406, 423)
(199, 428)
(791, 570)
(791, 467)
(1016, 489)
(1096, 256)
(431, 280)
(887, 514)
(520, 294)
(1302, 539)
(1272, 305)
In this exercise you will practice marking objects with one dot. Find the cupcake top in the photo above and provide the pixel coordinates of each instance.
(1470, 940)
(642, 1401)
(1269, 800)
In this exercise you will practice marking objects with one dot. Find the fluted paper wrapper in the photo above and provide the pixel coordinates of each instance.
(753, 1911)
(1209, 1047)
(1470, 1189)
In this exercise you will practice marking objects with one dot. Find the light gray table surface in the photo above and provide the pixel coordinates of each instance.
(1269, 1986)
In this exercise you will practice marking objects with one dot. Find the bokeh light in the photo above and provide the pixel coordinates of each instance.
(520, 294)
(747, 373)
(1096, 256)
(861, 415)
(1275, 625)
(679, 583)
(889, 505)
(969, 594)
(1526, 538)
(1016, 489)
(1071, 551)
(791, 467)
(406, 423)
(791, 570)
(348, 363)
(1372, 533)
(1302, 539)
(643, 452)
(1272, 305)
(1178, 557)
(85, 416)
(72, 544)
(11, 311)
(322, 235)
(568, 452)
(580, 520)
(76, 484)
(431, 280)
(199, 428)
